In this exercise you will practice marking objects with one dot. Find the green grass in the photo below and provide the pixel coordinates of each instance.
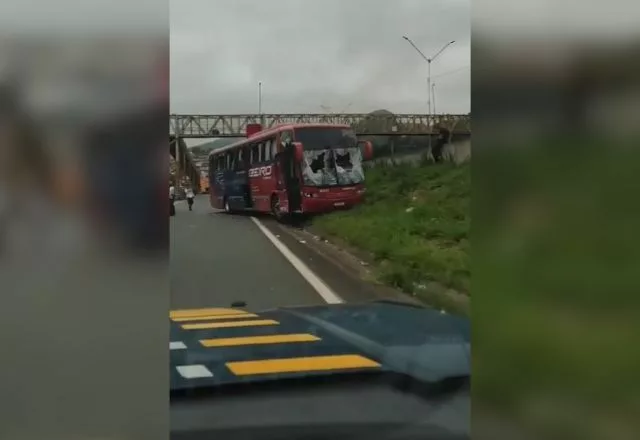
(415, 226)
(556, 242)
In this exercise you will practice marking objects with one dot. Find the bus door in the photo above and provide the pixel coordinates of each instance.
(245, 164)
(288, 170)
(217, 167)
(235, 181)
(239, 193)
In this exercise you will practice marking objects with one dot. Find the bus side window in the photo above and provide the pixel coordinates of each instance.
(286, 136)
(255, 154)
(267, 149)
(246, 156)
(230, 161)
(239, 159)
(261, 152)
(274, 148)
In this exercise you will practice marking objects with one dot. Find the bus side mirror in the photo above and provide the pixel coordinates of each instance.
(298, 151)
(367, 150)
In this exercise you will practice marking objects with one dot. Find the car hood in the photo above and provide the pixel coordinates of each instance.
(217, 346)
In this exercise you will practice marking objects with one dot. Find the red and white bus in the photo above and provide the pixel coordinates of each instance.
(290, 169)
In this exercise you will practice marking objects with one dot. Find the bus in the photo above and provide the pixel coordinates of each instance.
(290, 169)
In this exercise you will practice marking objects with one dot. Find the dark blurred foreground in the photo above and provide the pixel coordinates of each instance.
(84, 237)
(556, 228)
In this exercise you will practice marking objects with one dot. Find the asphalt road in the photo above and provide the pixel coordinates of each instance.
(217, 259)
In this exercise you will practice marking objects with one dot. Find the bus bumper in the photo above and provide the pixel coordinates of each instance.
(312, 205)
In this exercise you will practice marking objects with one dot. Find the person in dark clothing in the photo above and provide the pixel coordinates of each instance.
(190, 197)
(441, 141)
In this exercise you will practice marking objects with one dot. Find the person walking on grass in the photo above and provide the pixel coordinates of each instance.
(441, 141)
(190, 197)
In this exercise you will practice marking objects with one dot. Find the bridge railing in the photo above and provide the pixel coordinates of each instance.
(207, 126)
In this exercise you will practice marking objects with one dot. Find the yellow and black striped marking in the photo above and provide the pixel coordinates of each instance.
(182, 315)
(271, 343)
(210, 318)
(259, 340)
(215, 317)
(301, 364)
(212, 325)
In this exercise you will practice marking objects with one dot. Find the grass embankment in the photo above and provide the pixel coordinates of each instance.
(415, 226)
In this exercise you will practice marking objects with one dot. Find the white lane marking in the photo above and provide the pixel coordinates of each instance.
(194, 371)
(323, 290)
(177, 345)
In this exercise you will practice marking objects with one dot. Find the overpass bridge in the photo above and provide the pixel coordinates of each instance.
(370, 124)
(365, 124)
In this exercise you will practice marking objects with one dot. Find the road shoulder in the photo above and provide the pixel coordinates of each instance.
(348, 276)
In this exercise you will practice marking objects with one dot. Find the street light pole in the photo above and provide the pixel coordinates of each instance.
(429, 61)
(260, 103)
(429, 85)
(433, 92)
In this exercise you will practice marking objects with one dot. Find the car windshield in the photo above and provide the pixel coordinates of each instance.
(331, 156)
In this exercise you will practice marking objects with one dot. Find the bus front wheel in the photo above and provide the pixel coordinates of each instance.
(275, 207)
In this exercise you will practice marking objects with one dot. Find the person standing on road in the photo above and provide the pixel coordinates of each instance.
(172, 198)
(190, 197)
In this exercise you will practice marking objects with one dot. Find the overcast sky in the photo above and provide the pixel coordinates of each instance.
(343, 55)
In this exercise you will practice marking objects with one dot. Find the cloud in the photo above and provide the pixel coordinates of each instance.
(343, 55)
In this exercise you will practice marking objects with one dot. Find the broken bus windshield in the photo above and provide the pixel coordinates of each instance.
(331, 156)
